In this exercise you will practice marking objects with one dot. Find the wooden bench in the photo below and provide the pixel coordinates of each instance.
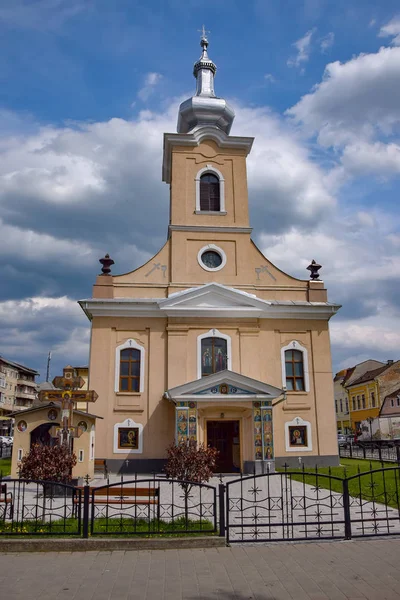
(6, 498)
(121, 495)
(100, 466)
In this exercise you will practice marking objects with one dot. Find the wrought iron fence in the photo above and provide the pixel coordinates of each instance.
(39, 508)
(373, 452)
(279, 506)
(310, 505)
(153, 506)
(290, 505)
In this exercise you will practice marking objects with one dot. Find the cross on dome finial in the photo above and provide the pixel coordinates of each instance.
(203, 32)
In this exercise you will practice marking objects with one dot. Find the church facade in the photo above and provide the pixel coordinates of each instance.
(209, 342)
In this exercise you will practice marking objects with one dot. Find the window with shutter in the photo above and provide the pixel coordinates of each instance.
(209, 193)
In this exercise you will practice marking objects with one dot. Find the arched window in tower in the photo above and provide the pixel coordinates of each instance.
(294, 367)
(214, 355)
(129, 370)
(210, 193)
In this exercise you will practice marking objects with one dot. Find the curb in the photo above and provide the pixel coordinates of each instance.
(99, 544)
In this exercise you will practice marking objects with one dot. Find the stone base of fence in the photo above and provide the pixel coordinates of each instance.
(99, 544)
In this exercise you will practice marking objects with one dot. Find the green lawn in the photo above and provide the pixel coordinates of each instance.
(383, 487)
(113, 527)
(5, 466)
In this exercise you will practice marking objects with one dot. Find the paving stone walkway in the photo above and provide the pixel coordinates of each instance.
(366, 569)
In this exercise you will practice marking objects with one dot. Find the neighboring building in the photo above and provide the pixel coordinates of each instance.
(200, 343)
(389, 416)
(341, 403)
(44, 422)
(341, 382)
(366, 393)
(18, 390)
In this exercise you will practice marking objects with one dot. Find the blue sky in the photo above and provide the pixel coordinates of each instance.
(89, 86)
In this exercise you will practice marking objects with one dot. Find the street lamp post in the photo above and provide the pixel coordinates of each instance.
(370, 420)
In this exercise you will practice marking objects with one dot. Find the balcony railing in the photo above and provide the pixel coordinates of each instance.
(28, 382)
(25, 395)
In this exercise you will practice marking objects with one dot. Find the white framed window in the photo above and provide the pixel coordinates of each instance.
(128, 437)
(298, 435)
(92, 442)
(135, 368)
(211, 170)
(20, 454)
(214, 353)
(80, 456)
(290, 363)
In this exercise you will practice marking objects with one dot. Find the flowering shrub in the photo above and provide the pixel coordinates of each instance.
(48, 463)
(190, 464)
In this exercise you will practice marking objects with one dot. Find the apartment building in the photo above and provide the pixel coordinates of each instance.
(18, 390)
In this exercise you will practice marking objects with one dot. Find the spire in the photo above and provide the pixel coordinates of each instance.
(204, 70)
(205, 108)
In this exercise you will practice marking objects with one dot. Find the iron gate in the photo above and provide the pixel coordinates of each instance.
(303, 505)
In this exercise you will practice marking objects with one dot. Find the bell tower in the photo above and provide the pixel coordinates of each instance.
(206, 169)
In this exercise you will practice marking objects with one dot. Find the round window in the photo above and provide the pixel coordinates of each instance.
(22, 426)
(211, 258)
(82, 425)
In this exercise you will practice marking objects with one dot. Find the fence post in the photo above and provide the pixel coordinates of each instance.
(346, 510)
(86, 493)
(398, 454)
(380, 453)
(221, 502)
(351, 450)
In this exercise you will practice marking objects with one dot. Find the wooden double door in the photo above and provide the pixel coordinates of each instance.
(225, 437)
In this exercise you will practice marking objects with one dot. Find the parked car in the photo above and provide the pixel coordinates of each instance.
(345, 439)
(6, 440)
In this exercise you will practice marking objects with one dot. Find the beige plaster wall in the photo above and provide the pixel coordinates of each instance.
(171, 360)
(187, 162)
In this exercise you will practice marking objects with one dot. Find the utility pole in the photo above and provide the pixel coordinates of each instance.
(48, 367)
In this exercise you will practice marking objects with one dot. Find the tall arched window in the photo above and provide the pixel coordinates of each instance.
(294, 370)
(214, 355)
(129, 370)
(209, 193)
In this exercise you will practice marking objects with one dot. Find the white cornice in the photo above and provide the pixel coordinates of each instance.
(210, 300)
(195, 138)
(254, 387)
(210, 229)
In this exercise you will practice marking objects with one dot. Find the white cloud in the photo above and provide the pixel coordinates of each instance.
(327, 42)
(303, 47)
(356, 99)
(269, 77)
(285, 185)
(392, 29)
(371, 335)
(150, 82)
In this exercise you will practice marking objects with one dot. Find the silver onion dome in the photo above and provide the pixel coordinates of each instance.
(204, 108)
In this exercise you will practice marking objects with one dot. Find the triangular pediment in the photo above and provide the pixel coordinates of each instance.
(226, 385)
(213, 296)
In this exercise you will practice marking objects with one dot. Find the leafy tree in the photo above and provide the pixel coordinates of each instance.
(48, 463)
(190, 464)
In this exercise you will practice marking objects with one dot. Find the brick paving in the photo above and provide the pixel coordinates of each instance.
(366, 569)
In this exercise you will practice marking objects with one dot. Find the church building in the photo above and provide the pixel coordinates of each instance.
(209, 342)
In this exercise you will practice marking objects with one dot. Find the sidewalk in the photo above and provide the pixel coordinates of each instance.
(313, 571)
